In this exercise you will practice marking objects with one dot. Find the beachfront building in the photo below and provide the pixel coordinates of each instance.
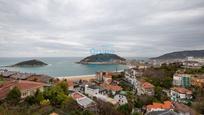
(104, 77)
(167, 105)
(183, 80)
(27, 88)
(83, 101)
(70, 85)
(121, 99)
(180, 94)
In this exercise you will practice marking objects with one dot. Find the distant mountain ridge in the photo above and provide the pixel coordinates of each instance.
(103, 59)
(181, 54)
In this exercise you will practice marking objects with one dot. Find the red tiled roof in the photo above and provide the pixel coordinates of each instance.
(112, 87)
(76, 95)
(147, 85)
(166, 105)
(182, 90)
(5, 88)
(26, 85)
(21, 84)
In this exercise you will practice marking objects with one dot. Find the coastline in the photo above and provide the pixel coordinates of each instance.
(80, 77)
(76, 78)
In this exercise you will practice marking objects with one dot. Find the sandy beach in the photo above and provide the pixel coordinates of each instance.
(80, 77)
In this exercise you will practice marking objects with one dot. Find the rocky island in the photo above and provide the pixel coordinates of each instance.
(29, 63)
(103, 59)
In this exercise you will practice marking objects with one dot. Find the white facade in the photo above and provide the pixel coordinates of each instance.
(130, 76)
(176, 96)
(177, 80)
(30, 92)
(90, 91)
(121, 99)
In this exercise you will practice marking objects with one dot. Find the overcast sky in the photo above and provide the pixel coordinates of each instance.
(141, 28)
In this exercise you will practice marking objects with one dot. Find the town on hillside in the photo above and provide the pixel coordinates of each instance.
(171, 87)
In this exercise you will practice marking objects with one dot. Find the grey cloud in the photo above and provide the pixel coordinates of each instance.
(73, 27)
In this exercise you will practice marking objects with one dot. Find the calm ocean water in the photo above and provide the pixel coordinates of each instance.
(65, 66)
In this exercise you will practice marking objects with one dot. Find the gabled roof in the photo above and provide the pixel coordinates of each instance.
(112, 87)
(167, 105)
(21, 84)
(181, 90)
(26, 85)
(147, 85)
(77, 95)
(82, 100)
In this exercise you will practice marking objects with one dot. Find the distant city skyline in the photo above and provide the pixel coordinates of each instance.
(73, 28)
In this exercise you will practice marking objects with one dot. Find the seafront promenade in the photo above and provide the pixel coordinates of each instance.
(79, 77)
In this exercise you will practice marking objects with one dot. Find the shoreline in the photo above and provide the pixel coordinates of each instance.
(77, 77)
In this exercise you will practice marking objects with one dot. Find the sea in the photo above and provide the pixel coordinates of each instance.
(59, 66)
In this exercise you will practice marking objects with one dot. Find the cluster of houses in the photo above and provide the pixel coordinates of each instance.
(188, 62)
(102, 88)
(179, 94)
(13, 75)
(27, 83)
(105, 88)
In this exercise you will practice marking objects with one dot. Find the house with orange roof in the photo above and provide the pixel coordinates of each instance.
(147, 88)
(167, 105)
(180, 94)
(27, 88)
(112, 88)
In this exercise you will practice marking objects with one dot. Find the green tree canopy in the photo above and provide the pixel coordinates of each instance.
(14, 96)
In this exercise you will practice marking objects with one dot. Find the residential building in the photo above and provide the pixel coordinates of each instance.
(200, 60)
(131, 76)
(198, 80)
(27, 88)
(70, 84)
(84, 101)
(112, 88)
(146, 88)
(93, 90)
(7, 73)
(106, 99)
(192, 64)
(165, 112)
(182, 109)
(167, 105)
(104, 77)
(180, 94)
(121, 99)
(183, 80)
(20, 76)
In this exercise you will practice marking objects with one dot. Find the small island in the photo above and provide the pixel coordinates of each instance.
(103, 59)
(29, 63)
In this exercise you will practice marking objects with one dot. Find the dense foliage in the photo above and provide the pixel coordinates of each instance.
(13, 96)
